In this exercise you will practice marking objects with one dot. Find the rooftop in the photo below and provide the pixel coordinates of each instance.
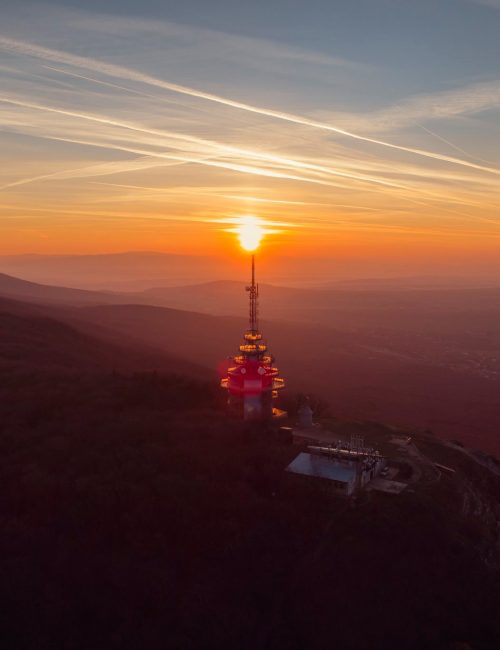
(322, 467)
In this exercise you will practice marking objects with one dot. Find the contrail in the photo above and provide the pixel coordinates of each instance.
(195, 160)
(99, 169)
(99, 81)
(263, 200)
(150, 192)
(219, 148)
(244, 168)
(214, 193)
(450, 144)
(207, 161)
(317, 222)
(29, 49)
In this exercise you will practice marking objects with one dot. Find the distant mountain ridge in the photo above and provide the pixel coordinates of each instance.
(127, 271)
(139, 270)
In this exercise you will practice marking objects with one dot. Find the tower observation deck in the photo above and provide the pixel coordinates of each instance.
(253, 381)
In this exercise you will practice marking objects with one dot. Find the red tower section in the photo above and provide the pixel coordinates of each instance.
(253, 381)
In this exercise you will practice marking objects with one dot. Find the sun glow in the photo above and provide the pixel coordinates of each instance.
(250, 232)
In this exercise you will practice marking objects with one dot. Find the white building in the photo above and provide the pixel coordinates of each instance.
(338, 476)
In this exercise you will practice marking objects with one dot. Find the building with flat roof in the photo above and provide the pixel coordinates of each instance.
(339, 476)
(342, 469)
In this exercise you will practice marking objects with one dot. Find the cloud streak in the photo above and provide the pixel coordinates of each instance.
(195, 150)
(215, 148)
(463, 101)
(30, 49)
(101, 169)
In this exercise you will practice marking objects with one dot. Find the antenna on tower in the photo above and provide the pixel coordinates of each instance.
(253, 289)
(357, 442)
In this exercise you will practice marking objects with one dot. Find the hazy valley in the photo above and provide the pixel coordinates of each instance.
(421, 358)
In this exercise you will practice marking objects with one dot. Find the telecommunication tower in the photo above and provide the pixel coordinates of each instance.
(253, 381)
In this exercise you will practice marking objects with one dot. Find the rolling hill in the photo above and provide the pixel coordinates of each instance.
(38, 338)
(425, 359)
(23, 289)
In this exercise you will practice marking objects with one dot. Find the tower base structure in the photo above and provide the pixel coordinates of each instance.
(253, 381)
(254, 408)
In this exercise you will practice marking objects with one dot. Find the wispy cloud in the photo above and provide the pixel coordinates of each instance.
(92, 171)
(210, 41)
(113, 70)
(494, 4)
(195, 150)
(464, 101)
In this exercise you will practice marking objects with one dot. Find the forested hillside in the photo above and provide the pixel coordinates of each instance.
(134, 514)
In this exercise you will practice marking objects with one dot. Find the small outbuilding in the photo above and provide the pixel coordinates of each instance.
(305, 416)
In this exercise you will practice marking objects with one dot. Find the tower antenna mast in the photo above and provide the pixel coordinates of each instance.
(254, 300)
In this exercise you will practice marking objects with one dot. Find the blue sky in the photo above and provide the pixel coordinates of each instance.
(424, 42)
(409, 47)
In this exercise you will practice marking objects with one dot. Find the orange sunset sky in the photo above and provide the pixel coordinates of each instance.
(157, 132)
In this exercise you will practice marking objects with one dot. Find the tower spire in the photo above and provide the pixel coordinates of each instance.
(254, 300)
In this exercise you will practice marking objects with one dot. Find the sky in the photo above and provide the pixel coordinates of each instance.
(363, 130)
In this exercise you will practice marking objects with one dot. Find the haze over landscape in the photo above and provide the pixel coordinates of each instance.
(148, 151)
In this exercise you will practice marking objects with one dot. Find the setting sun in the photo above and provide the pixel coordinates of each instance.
(250, 232)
